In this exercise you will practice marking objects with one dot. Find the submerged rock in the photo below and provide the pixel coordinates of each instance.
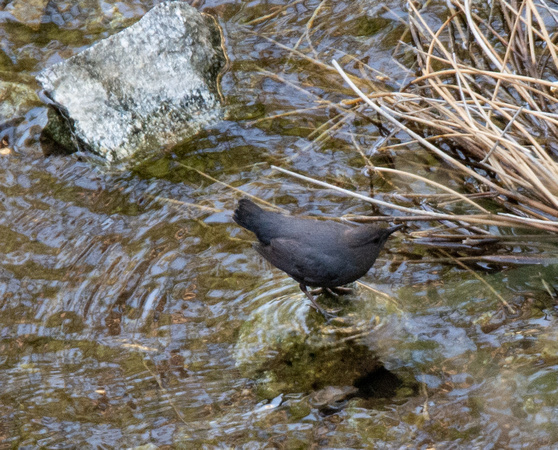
(148, 87)
(15, 101)
(286, 346)
(28, 12)
(331, 394)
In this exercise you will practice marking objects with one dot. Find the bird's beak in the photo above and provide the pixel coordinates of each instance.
(395, 228)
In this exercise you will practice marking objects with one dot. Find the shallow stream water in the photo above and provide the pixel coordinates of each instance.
(128, 297)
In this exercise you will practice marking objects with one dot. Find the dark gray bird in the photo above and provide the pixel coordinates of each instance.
(316, 253)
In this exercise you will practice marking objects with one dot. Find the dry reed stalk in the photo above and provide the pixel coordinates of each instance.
(489, 98)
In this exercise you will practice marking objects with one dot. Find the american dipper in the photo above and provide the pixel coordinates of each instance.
(317, 253)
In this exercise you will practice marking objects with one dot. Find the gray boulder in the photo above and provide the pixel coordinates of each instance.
(148, 87)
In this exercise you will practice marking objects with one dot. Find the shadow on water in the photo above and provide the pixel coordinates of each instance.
(134, 312)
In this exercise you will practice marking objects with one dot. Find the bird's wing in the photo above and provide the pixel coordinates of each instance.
(304, 263)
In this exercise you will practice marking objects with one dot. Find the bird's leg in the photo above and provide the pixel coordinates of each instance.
(317, 291)
(324, 313)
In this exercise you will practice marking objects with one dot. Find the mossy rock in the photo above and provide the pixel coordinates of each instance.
(288, 347)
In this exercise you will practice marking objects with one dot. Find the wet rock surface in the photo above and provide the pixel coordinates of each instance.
(148, 87)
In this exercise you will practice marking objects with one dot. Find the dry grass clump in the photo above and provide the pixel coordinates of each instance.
(485, 92)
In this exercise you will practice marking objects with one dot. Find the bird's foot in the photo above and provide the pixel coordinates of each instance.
(334, 291)
(317, 291)
(328, 315)
(340, 290)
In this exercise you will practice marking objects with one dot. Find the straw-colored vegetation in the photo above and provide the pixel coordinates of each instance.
(485, 103)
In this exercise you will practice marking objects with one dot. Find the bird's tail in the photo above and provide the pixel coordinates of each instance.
(248, 215)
